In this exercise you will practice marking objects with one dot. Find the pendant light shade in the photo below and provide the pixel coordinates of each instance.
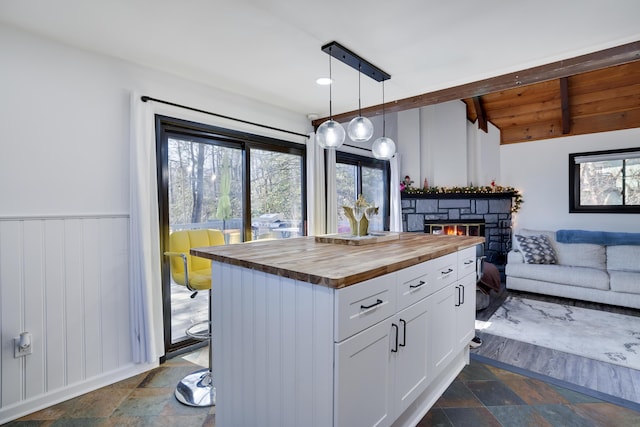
(330, 134)
(360, 129)
(383, 148)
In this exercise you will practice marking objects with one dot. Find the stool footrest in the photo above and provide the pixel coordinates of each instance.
(196, 331)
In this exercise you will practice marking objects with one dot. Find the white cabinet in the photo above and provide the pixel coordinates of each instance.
(410, 356)
(363, 378)
(394, 334)
(465, 305)
(442, 327)
(466, 297)
(383, 369)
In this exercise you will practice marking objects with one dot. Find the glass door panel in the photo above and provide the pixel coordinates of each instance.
(347, 190)
(204, 191)
(373, 191)
(276, 194)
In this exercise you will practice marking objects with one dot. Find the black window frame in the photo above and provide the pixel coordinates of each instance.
(574, 186)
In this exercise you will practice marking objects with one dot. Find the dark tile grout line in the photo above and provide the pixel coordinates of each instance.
(557, 382)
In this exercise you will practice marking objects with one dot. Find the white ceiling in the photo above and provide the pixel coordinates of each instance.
(269, 50)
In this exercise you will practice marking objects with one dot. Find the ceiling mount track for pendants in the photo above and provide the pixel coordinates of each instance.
(343, 54)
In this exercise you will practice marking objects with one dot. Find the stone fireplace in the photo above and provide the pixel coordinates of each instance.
(488, 214)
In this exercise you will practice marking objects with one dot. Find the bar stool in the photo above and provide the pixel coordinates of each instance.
(195, 389)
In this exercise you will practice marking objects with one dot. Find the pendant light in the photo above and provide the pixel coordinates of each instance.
(360, 128)
(330, 134)
(383, 148)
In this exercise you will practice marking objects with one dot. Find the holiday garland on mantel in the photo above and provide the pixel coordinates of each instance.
(487, 189)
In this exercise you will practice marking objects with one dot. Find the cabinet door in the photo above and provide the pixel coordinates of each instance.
(412, 374)
(442, 327)
(465, 310)
(363, 378)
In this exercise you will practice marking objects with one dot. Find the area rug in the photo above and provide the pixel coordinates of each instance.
(600, 335)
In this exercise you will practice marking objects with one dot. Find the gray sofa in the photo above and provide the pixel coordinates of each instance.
(605, 273)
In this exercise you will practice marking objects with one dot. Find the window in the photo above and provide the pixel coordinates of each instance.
(362, 175)
(605, 181)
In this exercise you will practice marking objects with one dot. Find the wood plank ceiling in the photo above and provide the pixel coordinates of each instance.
(596, 92)
(595, 101)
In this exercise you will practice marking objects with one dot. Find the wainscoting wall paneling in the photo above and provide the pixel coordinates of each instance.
(64, 280)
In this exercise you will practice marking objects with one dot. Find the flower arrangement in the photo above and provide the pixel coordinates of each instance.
(471, 189)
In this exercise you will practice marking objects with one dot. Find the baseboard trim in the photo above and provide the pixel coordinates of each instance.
(29, 406)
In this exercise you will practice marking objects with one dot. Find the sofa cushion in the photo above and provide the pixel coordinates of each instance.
(567, 275)
(536, 249)
(575, 254)
(625, 281)
(623, 258)
(582, 255)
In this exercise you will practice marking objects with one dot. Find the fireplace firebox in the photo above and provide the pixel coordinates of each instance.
(455, 227)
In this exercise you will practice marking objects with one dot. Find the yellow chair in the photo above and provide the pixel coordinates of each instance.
(196, 389)
(186, 270)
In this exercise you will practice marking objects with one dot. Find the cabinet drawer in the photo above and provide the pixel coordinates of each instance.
(466, 262)
(415, 283)
(364, 304)
(445, 271)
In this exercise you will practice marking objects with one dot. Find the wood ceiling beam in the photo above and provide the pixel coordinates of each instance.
(480, 114)
(564, 102)
(593, 61)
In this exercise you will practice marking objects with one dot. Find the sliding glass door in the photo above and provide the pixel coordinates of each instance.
(247, 186)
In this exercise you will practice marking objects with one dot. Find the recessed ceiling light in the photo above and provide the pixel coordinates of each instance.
(324, 81)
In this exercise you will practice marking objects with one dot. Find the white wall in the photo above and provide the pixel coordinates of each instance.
(540, 170)
(443, 135)
(64, 186)
(433, 143)
(483, 156)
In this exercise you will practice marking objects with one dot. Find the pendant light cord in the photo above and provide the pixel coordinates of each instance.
(359, 103)
(384, 121)
(330, 84)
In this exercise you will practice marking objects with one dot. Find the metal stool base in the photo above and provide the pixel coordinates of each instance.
(196, 389)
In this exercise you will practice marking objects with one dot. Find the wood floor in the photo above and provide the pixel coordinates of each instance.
(617, 381)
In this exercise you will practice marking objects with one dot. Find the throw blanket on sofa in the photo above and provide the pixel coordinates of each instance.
(597, 237)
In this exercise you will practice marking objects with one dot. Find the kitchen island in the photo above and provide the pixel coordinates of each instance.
(322, 334)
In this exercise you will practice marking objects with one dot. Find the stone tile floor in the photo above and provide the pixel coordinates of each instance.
(482, 395)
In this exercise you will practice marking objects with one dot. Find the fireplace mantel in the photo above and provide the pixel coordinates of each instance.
(470, 195)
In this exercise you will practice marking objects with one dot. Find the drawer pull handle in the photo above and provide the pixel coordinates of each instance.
(420, 283)
(447, 272)
(393, 325)
(468, 262)
(366, 307)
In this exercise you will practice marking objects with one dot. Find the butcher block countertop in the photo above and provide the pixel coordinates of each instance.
(335, 265)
